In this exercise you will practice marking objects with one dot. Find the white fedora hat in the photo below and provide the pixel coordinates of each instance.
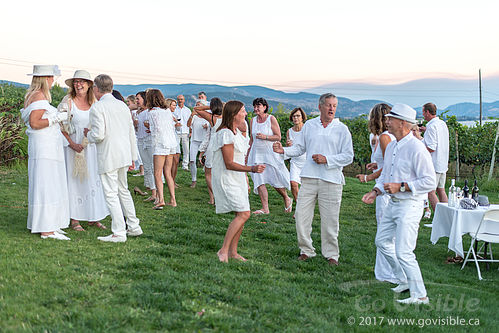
(45, 70)
(79, 74)
(403, 112)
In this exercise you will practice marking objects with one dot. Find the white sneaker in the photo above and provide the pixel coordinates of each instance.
(414, 300)
(56, 235)
(135, 232)
(401, 288)
(113, 239)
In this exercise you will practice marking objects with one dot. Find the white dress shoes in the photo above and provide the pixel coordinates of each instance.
(56, 235)
(113, 238)
(401, 288)
(414, 300)
(135, 232)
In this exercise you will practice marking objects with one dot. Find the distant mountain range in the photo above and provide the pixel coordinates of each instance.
(347, 108)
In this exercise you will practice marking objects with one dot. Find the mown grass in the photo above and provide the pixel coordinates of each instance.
(169, 279)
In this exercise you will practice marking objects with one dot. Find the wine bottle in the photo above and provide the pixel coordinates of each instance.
(452, 193)
(474, 192)
(466, 189)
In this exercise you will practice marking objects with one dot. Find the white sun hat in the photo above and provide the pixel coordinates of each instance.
(403, 112)
(79, 74)
(45, 70)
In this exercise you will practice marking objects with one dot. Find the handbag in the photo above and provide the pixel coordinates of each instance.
(67, 125)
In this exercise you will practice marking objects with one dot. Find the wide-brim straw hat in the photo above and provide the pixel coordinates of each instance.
(403, 112)
(45, 70)
(79, 74)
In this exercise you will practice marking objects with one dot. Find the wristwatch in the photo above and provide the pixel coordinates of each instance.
(402, 187)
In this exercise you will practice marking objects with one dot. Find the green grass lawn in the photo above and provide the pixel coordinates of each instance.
(170, 279)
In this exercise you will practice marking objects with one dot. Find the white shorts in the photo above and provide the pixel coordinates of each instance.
(164, 151)
(441, 179)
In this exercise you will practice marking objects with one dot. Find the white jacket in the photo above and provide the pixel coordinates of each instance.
(111, 128)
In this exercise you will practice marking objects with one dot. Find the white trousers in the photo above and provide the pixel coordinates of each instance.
(184, 138)
(193, 153)
(396, 239)
(329, 197)
(382, 269)
(119, 201)
(145, 152)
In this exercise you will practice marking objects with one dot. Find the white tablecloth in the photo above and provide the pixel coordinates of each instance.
(454, 223)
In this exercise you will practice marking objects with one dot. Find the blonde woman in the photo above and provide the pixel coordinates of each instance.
(86, 197)
(48, 209)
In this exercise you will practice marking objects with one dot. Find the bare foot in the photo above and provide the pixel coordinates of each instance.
(238, 257)
(289, 205)
(177, 185)
(193, 185)
(173, 204)
(260, 211)
(211, 202)
(223, 257)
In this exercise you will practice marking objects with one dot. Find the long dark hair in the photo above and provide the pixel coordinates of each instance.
(216, 107)
(231, 108)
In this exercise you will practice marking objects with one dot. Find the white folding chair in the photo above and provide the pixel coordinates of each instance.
(482, 235)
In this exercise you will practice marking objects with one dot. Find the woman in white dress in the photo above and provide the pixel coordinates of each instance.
(199, 130)
(162, 125)
(144, 142)
(377, 126)
(206, 147)
(86, 196)
(294, 134)
(229, 180)
(48, 209)
(131, 101)
(265, 131)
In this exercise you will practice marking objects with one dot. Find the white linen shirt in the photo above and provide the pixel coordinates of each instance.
(142, 117)
(184, 114)
(334, 142)
(436, 137)
(111, 128)
(408, 161)
(198, 132)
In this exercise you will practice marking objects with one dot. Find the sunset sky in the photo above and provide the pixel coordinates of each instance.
(286, 45)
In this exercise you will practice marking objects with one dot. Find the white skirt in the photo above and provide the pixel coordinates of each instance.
(86, 197)
(48, 208)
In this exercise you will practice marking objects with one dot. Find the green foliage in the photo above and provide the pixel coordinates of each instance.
(58, 94)
(360, 138)
(11, 98)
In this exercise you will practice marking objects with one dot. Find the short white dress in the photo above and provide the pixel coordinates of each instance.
(230, 188)
(275, 174)
(162, 128)
(296, 163)
(86, 196)
(48, 208)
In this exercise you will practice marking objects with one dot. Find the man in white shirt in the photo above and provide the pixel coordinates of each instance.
(328, 145)
(407, 176)
(436, 139)
(111, 128)
(199, 130)
(183, 113)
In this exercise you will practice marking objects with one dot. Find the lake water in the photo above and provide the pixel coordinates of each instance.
(472, 123)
